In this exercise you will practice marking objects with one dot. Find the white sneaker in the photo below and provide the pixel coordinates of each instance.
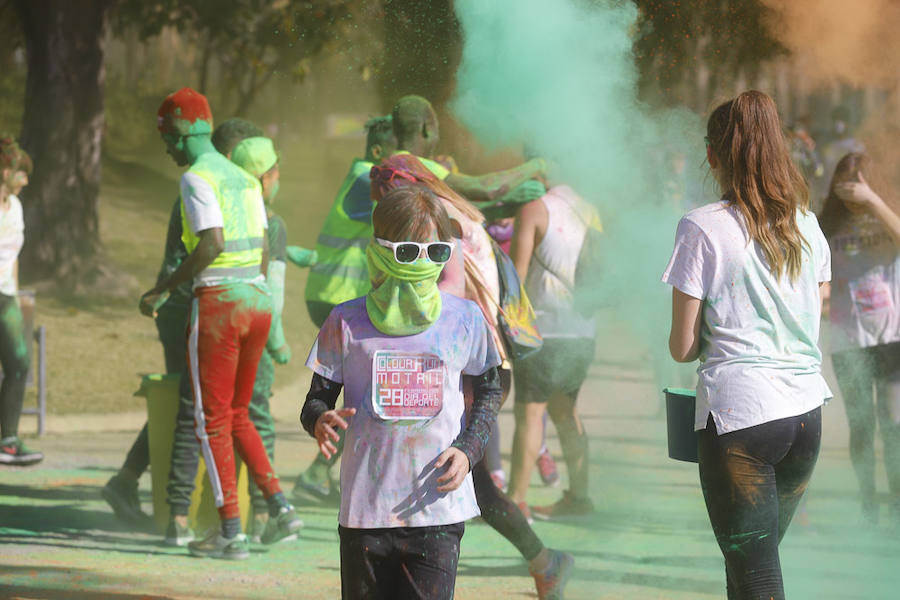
(215, 545)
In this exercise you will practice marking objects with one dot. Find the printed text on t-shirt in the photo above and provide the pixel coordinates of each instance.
(407, 385)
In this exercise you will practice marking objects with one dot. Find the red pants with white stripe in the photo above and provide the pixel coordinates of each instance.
(229, 329)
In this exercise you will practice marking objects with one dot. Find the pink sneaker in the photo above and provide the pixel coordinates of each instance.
(499, 479)
(547, 468)
(551, 582)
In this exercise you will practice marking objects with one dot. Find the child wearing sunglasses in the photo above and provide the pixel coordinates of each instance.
(400, 353)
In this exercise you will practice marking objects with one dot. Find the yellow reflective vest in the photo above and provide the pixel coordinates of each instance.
(341, 273)
(238, 194)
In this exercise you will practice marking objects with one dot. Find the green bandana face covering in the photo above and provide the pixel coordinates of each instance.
(404, 299)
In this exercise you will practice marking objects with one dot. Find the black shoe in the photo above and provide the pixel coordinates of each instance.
(14, 452)
(122, 496)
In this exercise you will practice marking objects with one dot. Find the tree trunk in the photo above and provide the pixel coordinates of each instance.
(62, 131)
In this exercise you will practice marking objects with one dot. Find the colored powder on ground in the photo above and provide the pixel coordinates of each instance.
(562, 81)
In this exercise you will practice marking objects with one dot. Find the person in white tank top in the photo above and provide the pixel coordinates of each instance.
(549, 234)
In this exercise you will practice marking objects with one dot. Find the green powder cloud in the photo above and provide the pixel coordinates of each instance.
(559, 76)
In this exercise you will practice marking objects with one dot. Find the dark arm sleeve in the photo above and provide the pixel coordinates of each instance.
(322, 397)
(485, 406)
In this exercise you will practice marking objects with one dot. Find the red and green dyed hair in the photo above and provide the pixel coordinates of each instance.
(185, 112)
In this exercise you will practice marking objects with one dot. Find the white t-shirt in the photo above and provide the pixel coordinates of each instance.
(759, 354)
(407, 392)
(865, 293)
(201, 207)
(12, 236)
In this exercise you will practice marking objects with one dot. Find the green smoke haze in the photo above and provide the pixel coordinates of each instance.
(559, 77)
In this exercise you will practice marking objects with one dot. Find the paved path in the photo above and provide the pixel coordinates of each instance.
(650, 538)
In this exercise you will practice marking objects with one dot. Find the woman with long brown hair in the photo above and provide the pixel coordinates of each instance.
(864, 234)
(747, 273)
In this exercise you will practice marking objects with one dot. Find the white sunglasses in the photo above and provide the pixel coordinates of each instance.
(408, 252)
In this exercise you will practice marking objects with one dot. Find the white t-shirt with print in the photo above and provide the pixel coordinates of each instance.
(12, 236)
(759, 354)
(202, 210)
(865, 293)
(407, 392)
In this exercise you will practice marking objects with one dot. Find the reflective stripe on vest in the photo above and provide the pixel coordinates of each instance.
(341, 273)
(239, 196)
(245, 244)
(332, 241)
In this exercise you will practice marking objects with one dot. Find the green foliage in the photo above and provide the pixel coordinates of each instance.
(250, 41)
(12, 69)
(728, 36)
(130, 113)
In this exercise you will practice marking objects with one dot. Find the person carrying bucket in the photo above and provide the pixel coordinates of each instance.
(747, 274)
(224, 231)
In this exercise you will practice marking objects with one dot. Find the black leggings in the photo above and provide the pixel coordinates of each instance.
(15, 360)
(753, 480)
(503, 515)
(497, 509)
(869, 379)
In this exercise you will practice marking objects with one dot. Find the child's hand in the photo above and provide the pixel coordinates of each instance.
(457, 468)
(325, 433)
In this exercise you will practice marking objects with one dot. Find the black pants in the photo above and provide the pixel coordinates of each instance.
(503, 515)
(14, 358)
(170, 324)
(869, 379)
(400, 563)
(753, 480)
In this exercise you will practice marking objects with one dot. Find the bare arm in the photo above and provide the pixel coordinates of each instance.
(487, 188)
(531, 222)
(211, 244)
(684, 338)
(859, 193)
(825, 297)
